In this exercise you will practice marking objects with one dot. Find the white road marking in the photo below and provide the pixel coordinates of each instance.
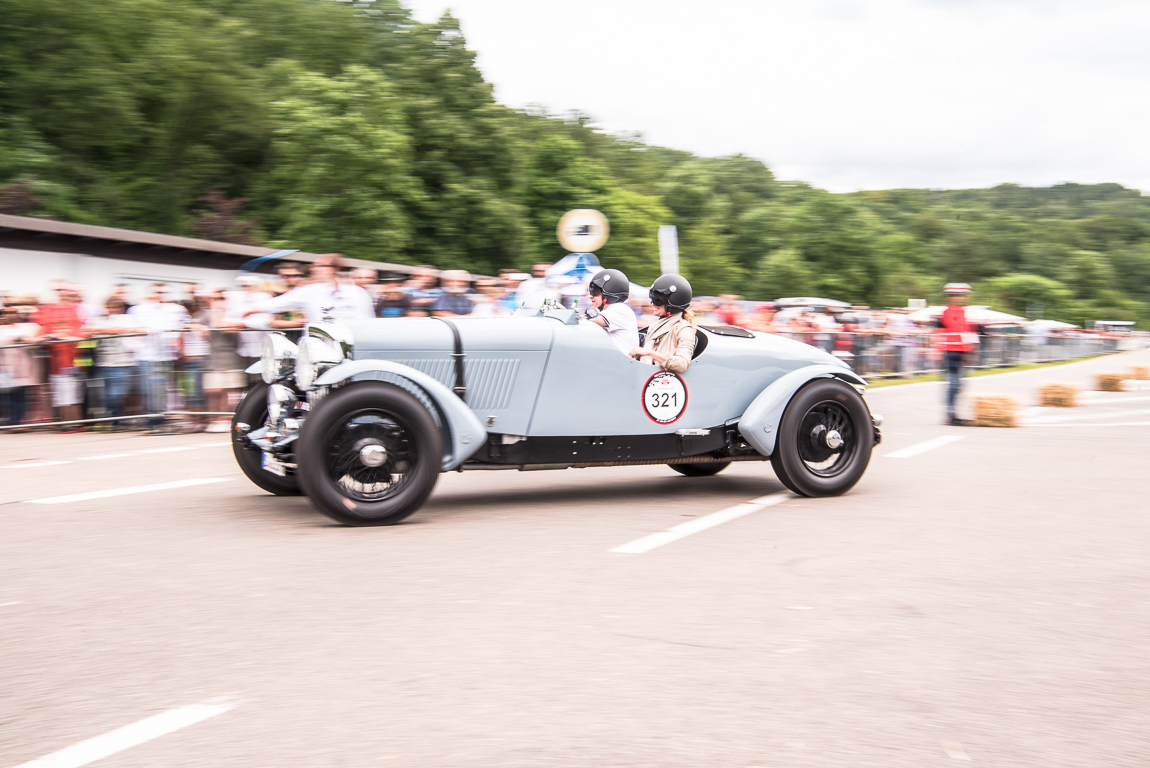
(647, 543)
(129, 736)
(171, 449)
(102, 456)
(13, 602)
(929, 445)
(1111, 426)
(1093, 414)
(28, 464)
(127, 491)
(954, 750)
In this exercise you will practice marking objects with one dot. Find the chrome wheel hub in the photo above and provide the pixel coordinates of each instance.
(834, 440)
(373, 455)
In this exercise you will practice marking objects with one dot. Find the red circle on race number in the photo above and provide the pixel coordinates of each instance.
(664, 397)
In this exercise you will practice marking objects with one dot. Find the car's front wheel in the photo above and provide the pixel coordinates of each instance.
(825, 440)
(369, 454)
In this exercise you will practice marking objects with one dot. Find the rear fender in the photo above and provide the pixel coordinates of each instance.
(760, 422)
(465, 432)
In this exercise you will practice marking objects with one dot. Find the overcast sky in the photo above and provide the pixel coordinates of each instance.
(846, 95)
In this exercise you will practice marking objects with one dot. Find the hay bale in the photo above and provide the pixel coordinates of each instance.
(1142, 372)
(1058, 396)
(995, 411)
(1110, 382)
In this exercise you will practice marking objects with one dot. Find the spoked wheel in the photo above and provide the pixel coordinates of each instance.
(253, 411)
(369, 455)
(700, 470)
(825, 440)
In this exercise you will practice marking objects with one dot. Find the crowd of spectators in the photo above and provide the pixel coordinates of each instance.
(173, 356)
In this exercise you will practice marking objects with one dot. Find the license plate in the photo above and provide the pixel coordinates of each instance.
(273, 465)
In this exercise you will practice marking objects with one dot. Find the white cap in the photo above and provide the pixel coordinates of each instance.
(956, 288)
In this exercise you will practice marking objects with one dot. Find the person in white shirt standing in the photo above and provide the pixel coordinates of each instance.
(161, 319)
(608, 290)
(327, 295)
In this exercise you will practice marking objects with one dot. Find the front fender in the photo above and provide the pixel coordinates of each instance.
(466, 432)
(760, 422)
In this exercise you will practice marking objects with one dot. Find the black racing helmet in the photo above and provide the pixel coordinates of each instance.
(672, 290)
(612, 283)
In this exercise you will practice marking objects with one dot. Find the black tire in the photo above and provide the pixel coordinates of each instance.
(700, 470)
(253, 410)
(331, 468)
(805, 459)
(781, 473)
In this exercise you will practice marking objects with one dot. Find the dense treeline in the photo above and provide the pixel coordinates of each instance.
(342, 126)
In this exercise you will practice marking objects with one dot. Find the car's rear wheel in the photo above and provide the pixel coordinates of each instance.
(253, 411)
(700, 470)
(825, 440)
(369, 454)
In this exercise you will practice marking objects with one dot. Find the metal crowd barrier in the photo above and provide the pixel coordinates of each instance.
(118, 398)
(879, 354)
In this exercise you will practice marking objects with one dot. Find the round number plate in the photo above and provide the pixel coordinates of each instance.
(664, 397)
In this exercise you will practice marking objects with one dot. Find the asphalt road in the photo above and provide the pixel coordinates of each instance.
(980, 600)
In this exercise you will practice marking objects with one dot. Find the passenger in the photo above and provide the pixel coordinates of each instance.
(671, 339)
(608, 290)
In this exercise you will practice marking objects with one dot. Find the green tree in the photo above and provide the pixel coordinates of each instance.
(340, 177)
(780, 274)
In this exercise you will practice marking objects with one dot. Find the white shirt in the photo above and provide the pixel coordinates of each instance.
(160, 321)
(250, 343)
(622, 326)
(347, 301)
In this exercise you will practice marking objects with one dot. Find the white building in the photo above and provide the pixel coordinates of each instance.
(34, 252)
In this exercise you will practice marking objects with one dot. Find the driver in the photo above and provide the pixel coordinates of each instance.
(609, 288)
(671, 339)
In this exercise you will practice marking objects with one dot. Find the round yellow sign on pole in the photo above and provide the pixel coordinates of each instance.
(583, 230)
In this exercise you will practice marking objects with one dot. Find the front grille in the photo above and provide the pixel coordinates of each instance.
(490, 381)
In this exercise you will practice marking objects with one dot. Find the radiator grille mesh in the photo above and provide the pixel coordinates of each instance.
(490, 381)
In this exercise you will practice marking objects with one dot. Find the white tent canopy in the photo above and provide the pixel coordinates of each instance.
(978, 314)
(1052, 325)
(810, 301)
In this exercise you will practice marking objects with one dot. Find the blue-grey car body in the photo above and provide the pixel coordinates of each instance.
(556, 375)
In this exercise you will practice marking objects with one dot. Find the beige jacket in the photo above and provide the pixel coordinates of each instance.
(674, 336)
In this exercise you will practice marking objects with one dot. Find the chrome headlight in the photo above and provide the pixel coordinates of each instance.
(277, 357)
(316, 355)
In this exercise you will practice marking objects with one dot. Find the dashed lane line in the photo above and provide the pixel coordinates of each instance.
(28, 464)
(1091, 414)
(929, 445)
(128, 491)
(130, 736)
(102, 456)
(1077, 424)
(647, 543)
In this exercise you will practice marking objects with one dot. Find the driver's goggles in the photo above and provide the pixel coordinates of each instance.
(594, 290)
(657, 299)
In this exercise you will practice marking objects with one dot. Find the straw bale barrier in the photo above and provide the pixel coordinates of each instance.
(1110, 382)
(1058, 396)
(995, 411)
(1142, 372)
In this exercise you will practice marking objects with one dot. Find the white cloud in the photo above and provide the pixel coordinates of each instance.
(845, 95)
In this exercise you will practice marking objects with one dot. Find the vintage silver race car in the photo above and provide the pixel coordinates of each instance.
(363, 416)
